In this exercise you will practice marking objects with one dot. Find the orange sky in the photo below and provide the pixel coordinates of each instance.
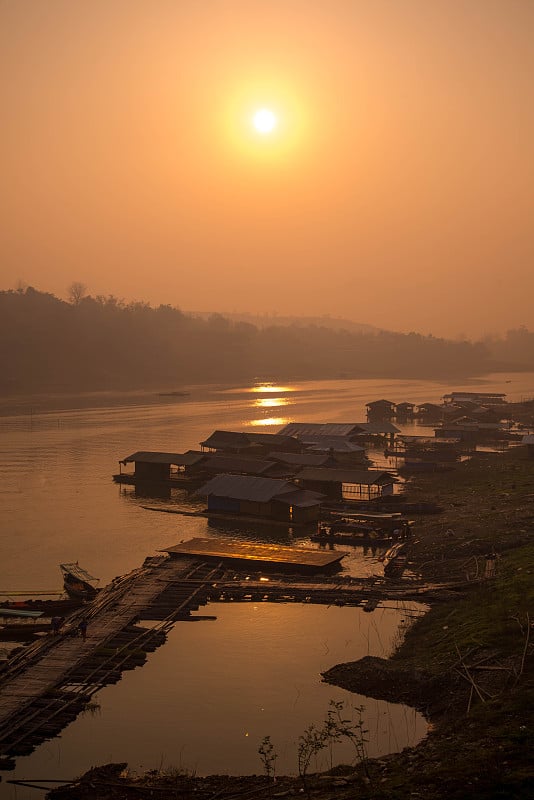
(397, 190)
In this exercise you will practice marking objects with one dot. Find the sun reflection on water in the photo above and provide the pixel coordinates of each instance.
(271, 402)
(270, 421)
(263, 388)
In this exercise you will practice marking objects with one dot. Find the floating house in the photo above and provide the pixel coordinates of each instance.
(269, 498)
(348, 484)
(157, 467)
(404, 410)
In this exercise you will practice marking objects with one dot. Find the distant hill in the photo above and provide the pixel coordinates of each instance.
(267, 320)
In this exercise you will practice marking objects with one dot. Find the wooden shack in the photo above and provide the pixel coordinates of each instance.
(430, 412)
(380, 409)
(404, 410)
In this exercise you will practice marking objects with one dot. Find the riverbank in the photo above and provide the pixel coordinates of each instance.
(468, 663)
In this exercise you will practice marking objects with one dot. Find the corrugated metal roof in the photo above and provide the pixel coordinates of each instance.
(153, 457)
(300, 429)
(226, 439)
(380, 426)
(246, 487)
(339, 444)
(302, 498)
(303, 430)
(220, 463)
(222, 439)
(272, 439)
(223, 548)
(362, 476)
(300, 459)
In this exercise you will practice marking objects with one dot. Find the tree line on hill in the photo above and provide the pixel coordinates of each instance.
(102, 343)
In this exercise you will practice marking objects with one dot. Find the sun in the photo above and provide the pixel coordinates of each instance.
(264, 121)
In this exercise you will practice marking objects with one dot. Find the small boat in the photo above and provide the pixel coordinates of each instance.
(363, 537)
(77, 582)
(342, 532)
(395, 560)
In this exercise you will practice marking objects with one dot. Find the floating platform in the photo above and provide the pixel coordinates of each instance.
(294, 557)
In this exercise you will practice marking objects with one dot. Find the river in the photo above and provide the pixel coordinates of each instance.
(205, 700)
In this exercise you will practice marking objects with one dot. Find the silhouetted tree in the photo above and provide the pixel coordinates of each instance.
(77, 291)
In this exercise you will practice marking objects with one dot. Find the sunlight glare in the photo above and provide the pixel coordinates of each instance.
(264, 120)
(271, 387)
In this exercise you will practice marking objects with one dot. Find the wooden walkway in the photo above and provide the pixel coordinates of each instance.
(51, 668)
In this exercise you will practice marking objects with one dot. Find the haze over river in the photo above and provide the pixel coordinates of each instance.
(204, 700)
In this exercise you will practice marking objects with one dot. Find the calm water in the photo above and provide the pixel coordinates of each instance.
(206, 699)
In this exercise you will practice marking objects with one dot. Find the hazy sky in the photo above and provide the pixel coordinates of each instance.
(396, 188)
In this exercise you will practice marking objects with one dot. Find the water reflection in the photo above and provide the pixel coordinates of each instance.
(271, 402)
(270, 421)
(264, 388)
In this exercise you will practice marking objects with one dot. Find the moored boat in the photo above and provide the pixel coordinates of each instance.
(395, 560)
(77, 582)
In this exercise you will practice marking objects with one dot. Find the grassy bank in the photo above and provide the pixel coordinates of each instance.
(468, 663)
